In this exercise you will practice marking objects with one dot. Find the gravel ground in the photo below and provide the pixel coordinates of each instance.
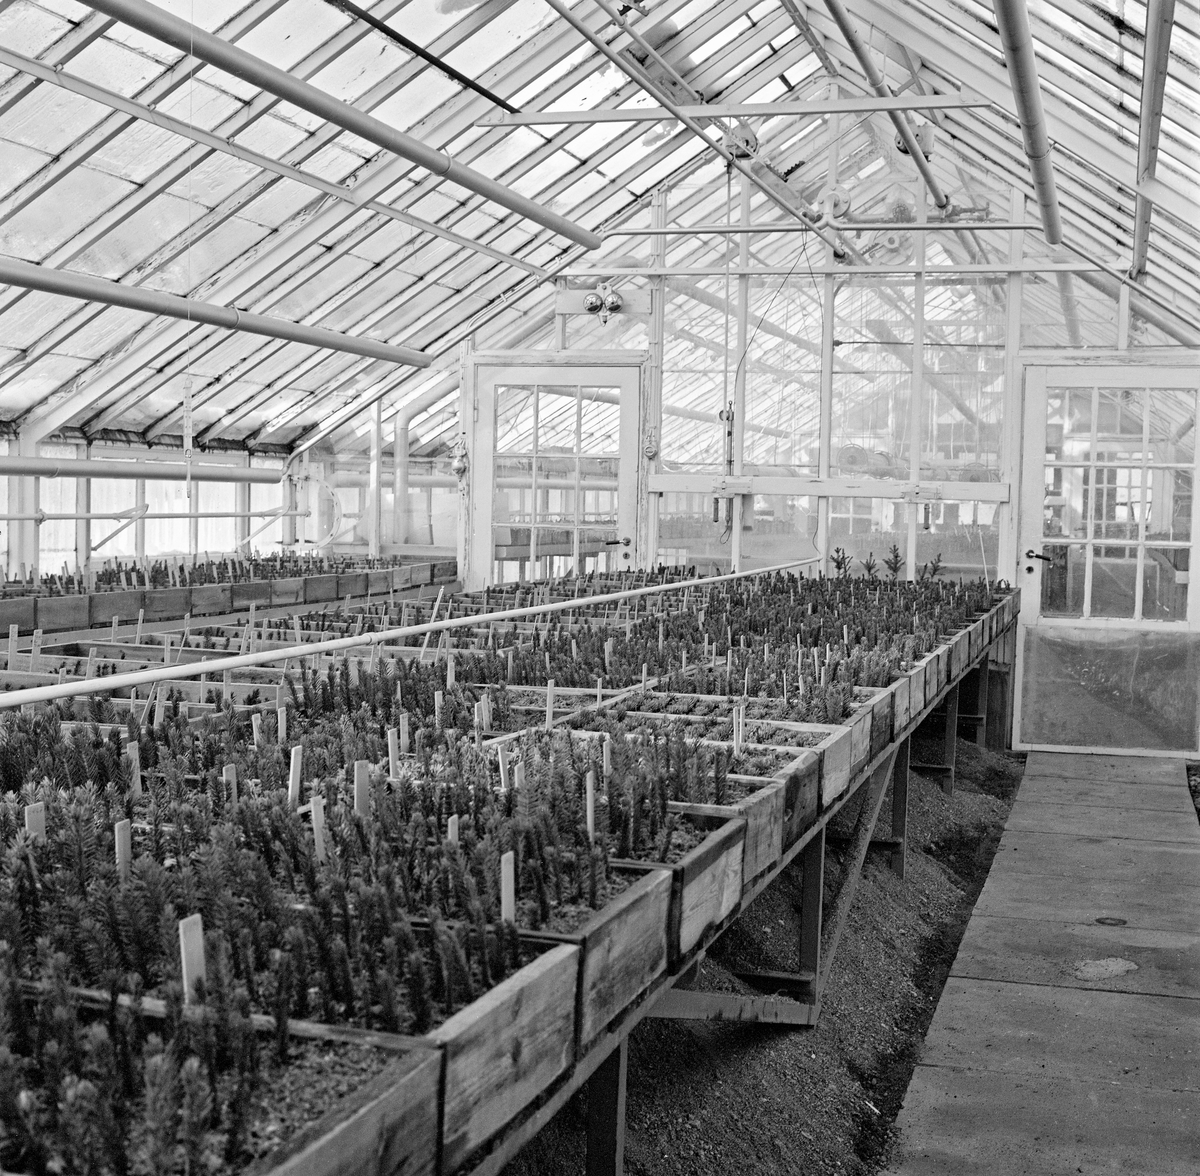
(718, 1098)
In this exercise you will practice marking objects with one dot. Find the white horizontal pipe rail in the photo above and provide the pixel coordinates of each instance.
(53, 467)
(73, 285)
(246, 661)
(841, 226)
(42, 516)
(190, 39)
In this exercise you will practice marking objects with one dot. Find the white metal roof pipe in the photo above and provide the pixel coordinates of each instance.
(52, 467)
(73, 285)
(880, 86)
(190, 39)
(1012, 16)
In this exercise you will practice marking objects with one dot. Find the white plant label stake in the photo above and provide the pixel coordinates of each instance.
(362, 789)
(191, 955)
(134, 752)
(294, 777)
(124, 840)
(505, 779)
(137, 636)
(35, 820)
(508, 887)
(393, 738)
(12, 646)
(452, 829)
(549, 703)
(404, 741)
(256, 728)
(438, 702)
(591, 806)
(281, 724)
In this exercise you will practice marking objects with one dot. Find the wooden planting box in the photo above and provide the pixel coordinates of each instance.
(166, 604)
(288, 591)
(387, 1126)
(379, 581)
(103, 606)
(351, 584)
(978, 639)
(624, 950)
(882, 699)
(901, 703)
(763, 812)
(62, 612)
(960, 649)
(20, 611)
(248, 592)
(859, 723)
(834, 753)
(318, 589)
(210, 599)
(504, 1049)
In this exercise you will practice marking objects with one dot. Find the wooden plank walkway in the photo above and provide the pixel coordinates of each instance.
(1067, 1039)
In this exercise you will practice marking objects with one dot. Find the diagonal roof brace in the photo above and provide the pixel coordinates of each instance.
(187, 38)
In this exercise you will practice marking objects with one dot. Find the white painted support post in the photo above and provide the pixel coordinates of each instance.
(35, 820)
(191, 956)
(124, 839)
(508, 887)
(294, 777)
(362, 789)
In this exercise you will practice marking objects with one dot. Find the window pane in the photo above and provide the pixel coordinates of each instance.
(1063, 580)
(1114, 581)
(1165, 584)
(514, 418)
(1172, 425)
(557, 408)
(601, 422)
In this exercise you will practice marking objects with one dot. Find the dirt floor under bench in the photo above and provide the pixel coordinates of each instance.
(715, 1098)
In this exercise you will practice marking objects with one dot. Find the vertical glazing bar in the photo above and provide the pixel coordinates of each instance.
(375, 483)
(918, 408)
(650, 504)
(1012, 433)
(83, 527)
(825, 426)
(606, 1114)
(533, 492)
(741, 362)
(578, 492)
(1143, 504)
(1091, 492)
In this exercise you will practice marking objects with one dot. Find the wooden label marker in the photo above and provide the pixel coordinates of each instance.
(590, 786)
(137, 637)
(160, 710)
(362, 789)
(606, 761)
(13, 630)
(404, 740)
(452, 829)
(256, 728)
(393, 738)
(229, 775)
(191, 955)
(316, 812)
(438, 703)
(449, 670)
(90, 672)
(35, 820)
(549, 703)
(505, 779)
(508, 887)
(35, 649)
(294, 776)
(134, 752)
(599, 690)
(113, 636)
(124, 840)
(281, 725)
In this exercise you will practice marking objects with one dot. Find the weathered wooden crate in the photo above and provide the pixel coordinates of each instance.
(379, 581)
(901, 702)
(248, 592)
(167, 604)
(879, 700)
(802, 795)
(624, 950)
(444, 571)
(20, 611)
(210, 599)
(56, 613)
(978, 639)
(402, 576)
(318, 589)
(960, 650)
(859, 724)
(834, 754)
(103, 606)
(763, 812)
(420, 573)
(504, 1049)
(387, 1126)
(351, 584)
(288, 591)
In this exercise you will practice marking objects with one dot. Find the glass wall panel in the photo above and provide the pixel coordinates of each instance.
(689, 535)
(1105, 688)
(779, 528)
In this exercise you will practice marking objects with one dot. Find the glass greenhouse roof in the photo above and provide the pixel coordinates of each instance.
(125, 159)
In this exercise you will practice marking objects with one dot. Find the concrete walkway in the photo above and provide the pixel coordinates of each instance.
(1067, 1039)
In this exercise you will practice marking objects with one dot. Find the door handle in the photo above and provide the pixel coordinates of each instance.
(617, 542)
(1031, 554)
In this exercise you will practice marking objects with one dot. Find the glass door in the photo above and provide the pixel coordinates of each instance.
(554, 467)
(1108, 653)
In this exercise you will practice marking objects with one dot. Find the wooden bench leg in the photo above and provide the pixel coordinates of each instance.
(812, 861)
(606, 1114)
